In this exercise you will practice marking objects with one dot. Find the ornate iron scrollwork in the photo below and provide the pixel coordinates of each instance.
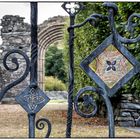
(90, 103)
(109, 64)
(40, 125)
(32, 99)
(15, 61)
(85, 104)
(72, 13)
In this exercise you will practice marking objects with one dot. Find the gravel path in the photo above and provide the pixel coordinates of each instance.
(14, 123)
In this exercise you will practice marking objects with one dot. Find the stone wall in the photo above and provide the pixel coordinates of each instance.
(57, 95)
(50, 21)
(128, 111)
(15, 34)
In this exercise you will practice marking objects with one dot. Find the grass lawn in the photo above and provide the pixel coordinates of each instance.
(14, 124)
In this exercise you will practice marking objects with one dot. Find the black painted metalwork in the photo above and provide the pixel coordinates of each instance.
(111, 65)
(15, 61)
(115, 39)
(40, 125)
(33, 99)
(86, 103)
(85, 66)
(72, 11)
(72, 8)
(91, 101)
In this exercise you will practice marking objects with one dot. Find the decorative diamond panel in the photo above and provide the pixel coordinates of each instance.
(111, 66)
(32, 99)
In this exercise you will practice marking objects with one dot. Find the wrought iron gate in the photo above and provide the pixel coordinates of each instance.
(32, 99)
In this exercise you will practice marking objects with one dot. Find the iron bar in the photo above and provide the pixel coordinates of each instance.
(34, 43)
(31, 118)
(110, 116)
(33, 68)
(71, 79)
(40, 124)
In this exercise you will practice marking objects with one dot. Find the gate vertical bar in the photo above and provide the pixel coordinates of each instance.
(34, 44)
(71, 78)
(33, 69)
(31, 118)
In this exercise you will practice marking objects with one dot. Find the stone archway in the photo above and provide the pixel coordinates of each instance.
(46, 36)
(18, 37)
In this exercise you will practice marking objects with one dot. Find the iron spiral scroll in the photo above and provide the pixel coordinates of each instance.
(84, 103)
(88, 101)
(40, 125)
(14, 60)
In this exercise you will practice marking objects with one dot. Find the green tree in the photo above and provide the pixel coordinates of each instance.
(125, 10)
(54, 63)
(88, 38)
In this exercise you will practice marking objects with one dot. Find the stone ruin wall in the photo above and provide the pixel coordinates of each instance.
(15, 34)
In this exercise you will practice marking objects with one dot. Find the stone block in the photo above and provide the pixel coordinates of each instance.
(138, 122)
(135, 115)
(127, 95)
(126, 123)
(125, 119)
(125, 114)
(130, 106)
(8, 101)
(127, 110)
(125, 101)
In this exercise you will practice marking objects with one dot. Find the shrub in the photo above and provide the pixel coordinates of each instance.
(54, 63)
(53, 84)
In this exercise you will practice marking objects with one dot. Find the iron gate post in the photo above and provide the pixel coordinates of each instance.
(71, 78)
(72, 9)
(33, 67)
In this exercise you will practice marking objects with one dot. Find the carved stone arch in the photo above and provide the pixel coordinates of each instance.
(47, 36)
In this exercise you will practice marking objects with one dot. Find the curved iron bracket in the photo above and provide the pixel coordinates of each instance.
(89, 103)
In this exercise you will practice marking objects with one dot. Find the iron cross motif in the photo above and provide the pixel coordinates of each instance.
(32, 99)
(72, 8)
(111, 65)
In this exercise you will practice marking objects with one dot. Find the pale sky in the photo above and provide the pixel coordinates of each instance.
(45, 10)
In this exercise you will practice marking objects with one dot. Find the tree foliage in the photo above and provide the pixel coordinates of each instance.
(88, 38)
(54, 63)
